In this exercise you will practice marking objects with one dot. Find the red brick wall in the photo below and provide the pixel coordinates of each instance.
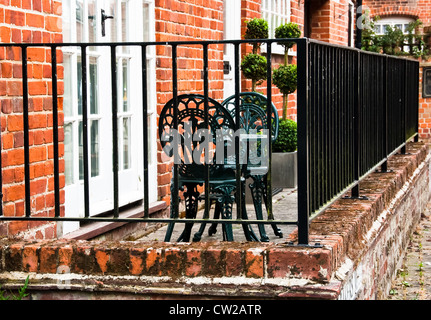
(25, 21)
(329, 21)
(187, 20)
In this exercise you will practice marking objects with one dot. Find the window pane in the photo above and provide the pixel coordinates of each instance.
(94, 128)
(94, 108)
(68, 153)
(124, 31)
(125, 85)
(92, 21)
(81, 151)
(67, 32)
(378, 29)
(146, 8)
(79, 84)
(67, 99)
(126, 143)
(79, 21)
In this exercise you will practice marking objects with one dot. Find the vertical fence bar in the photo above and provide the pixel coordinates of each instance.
(269, 128)
(85, 131)
(175, 190)
(303, 142)
(239, 185)
(384, 167)
(26, 131)
(416, 95)
(356, 124)
(175, 172)
(114, 128)
(145, 128)
(404, 107)
(206, 121)
(55, 128)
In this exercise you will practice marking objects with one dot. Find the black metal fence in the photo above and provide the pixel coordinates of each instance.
(359, 108)
(355, 109)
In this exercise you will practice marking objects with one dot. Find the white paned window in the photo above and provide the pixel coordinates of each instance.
(82, 23)
(276, 12)
(402, 23)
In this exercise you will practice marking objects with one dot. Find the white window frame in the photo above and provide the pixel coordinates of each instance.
(275, 12)
(392, 21)
(145, 33)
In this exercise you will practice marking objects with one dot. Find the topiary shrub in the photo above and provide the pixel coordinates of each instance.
(287, 140)
(285, 78)
(253, 67)
(286, 75)
(287, 31)
(256, 28)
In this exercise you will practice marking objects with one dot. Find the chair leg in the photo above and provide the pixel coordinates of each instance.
(213, 229)
(198, 235)
(171, 225)
(226, 200)
(191, 200)
(277, 230)
(248, 230)
(256, 188)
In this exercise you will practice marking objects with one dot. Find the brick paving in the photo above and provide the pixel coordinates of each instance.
(413, 281)
(284, 206)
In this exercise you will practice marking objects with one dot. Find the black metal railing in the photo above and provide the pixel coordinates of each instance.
(355, 109)
(360, 108)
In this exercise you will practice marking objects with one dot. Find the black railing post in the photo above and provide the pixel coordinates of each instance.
(404, 108)
(26, 131)
(416, 95)
(303, 142)
(55, 129)
(115, 157)
(384, 167)
(237, 119)
(145, 128)
(356, 126)
(175, 177)
(85, 130)
(269, 128)
(206, 121)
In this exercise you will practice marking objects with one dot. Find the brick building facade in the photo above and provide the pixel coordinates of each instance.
(36, 21)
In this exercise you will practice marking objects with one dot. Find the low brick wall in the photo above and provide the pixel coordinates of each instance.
(363, 243)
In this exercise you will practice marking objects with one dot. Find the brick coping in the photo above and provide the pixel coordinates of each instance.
(216, 268)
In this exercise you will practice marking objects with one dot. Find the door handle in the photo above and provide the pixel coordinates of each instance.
(104, 18)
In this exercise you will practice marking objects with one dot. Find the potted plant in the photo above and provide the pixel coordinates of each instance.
(284, 155)
(253, 65)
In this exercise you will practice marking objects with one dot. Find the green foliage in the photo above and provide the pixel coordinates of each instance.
(21, 292)
(253, 67)
(287, 31)
(256, 29)
(285, 78)
(394, 40)
(287, 140)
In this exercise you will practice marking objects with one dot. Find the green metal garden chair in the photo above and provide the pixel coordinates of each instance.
(253, 117)
(182, 145)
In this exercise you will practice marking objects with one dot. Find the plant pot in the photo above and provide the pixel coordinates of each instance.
(284, 169)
